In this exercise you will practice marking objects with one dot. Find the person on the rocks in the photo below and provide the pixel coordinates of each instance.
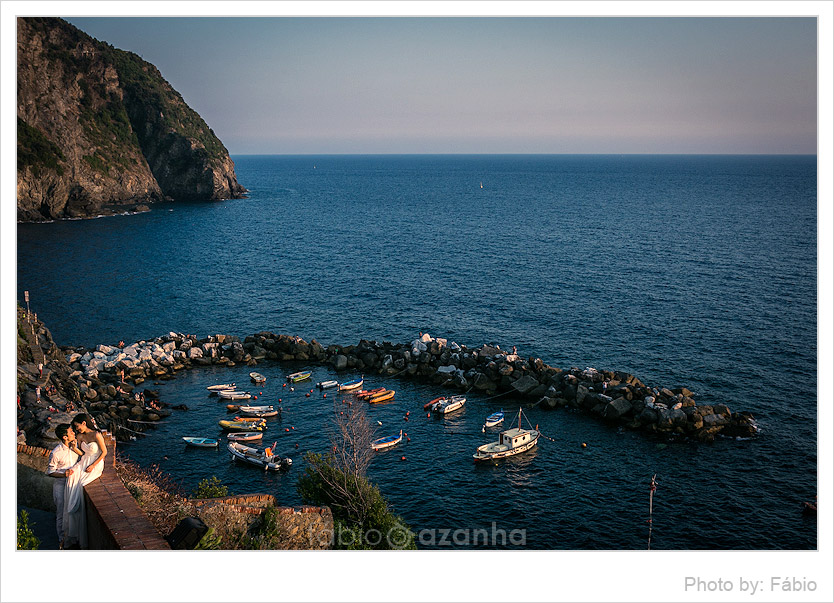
(62, 459)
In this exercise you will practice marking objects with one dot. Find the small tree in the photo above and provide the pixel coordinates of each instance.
(338, 479)
(26, 539)
(211, 488)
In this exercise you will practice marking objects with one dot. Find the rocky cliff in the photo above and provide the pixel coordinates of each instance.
(100, 129)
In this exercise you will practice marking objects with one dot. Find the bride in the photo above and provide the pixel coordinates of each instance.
(86, 470)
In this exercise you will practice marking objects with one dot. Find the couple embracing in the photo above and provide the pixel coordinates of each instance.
(75, 462)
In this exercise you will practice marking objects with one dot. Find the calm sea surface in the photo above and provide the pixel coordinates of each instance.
(695, 271)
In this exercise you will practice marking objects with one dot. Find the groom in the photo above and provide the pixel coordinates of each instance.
(61, 460)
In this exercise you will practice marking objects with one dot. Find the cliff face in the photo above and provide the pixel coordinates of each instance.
(99, 127)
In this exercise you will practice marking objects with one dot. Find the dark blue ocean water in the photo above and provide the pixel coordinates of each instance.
(684, 270)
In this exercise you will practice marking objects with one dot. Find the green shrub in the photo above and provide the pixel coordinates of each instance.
(211, 488)
(26, 539)
(361, 516)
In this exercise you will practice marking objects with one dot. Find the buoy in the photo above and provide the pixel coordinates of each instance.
(279, 399)
(408, 439)
(285, 385)
(296, 445)
(255, 397)
(408, 412)
(428, 415)
(287, 429)
(402, 458)
(406, 418)
(379, 422)
(293, 428)
(261, 393)
(325, 395)
(311, 391)
(292, 389)
(308, 395)
(584, 445)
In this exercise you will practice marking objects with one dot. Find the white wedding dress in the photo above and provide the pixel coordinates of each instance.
(75, 520)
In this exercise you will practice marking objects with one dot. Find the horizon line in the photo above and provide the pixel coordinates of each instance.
(369, 154)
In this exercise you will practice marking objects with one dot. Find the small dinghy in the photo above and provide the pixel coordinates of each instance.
(257, 377)
(261, 458)
(299, 376)
(433, 402)
(494, 419)
(234, 395)
(448, 405)
(327, 384)
(220, 388)
(260, 425)
(367, 393)
(255, 411)
(349, 386)
(383, 396)
(387, 442)
(245, 436)
(201, 442)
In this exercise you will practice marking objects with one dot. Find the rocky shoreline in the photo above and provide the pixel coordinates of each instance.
(104, 381)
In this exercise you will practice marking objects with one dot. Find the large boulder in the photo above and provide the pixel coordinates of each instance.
(525, 385)
(340, 362)
(617, 408)
(195, 353)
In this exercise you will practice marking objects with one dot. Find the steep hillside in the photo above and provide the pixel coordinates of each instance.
(100, 129)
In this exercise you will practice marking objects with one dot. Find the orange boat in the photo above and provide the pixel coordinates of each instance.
(382, 396)
(433, 402)
(367, 393)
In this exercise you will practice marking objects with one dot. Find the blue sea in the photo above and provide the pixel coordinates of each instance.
(696, 271)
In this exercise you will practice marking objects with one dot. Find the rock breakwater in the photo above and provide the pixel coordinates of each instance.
(105, 380)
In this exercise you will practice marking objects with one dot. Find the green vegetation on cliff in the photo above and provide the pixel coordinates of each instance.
(151, 98)
(36, 151)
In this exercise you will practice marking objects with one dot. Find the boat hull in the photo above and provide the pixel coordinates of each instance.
(382, 397)
(253, 456)
(245, 436)
(481, 456)
(300, 376)
(200, 442)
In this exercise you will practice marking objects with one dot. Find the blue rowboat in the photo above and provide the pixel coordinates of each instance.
(387, 442)
(351, 385)
(201, 442)
(494, 419)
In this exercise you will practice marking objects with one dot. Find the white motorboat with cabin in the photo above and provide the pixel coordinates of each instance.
(510, 442)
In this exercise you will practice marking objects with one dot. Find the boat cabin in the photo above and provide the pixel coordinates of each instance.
(515, 437)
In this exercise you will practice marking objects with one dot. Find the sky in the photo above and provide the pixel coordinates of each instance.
(295, 85)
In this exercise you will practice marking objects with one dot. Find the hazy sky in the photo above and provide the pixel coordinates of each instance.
(488, 85)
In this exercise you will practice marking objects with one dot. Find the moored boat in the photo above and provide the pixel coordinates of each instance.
(242, 419)
(327, 384)
(259, 425)
(431, 403)
(364, 394)
(382, 396)
(200, 442)
(351, 385)
(299, 376)
(234, 395)
(510, 442)
(245, 436)
(494, 419)
(387, 442)
(448, 405)
(257, 377)
(221, 387)
(261, 458)
(271, 412)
